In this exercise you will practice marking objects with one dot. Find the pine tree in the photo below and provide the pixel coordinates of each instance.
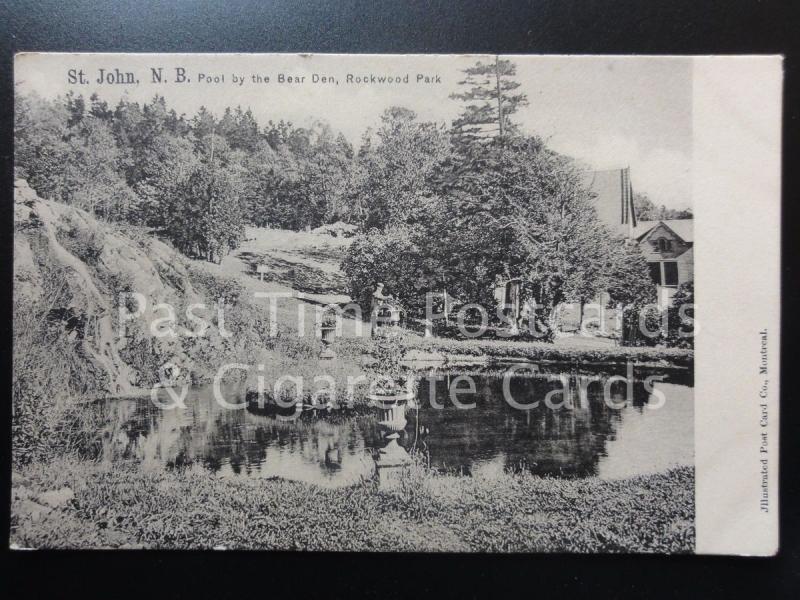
(489, 100)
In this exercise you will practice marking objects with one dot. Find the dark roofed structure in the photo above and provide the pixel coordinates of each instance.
(613, 199)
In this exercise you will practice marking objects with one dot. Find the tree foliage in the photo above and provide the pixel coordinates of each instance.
(396, 258)
(134, 162)
(396, 177)
(205, 219)
(527, 216)
(490, 98)
(521, 212)
(647, 210)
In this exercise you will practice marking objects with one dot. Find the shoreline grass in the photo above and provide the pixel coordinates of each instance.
(499, 350)
(128, 506)
(514, 350)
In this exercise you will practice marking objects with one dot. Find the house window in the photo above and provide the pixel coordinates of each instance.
(664, 273)
(670, 273)
(655, 272)
(664, 245)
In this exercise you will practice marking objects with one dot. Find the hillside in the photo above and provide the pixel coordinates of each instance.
(70, 270)
(69, 273)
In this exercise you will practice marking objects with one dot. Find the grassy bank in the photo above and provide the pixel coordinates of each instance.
(129, 507)
(500, 350)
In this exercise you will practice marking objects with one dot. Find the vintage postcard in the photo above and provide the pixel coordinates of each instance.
(461, 303)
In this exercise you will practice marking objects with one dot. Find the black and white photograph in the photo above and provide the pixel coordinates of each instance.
(385, 303)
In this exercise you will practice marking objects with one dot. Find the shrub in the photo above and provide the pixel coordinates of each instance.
(308, 371)
(83, 242)
(142, 355)
(215, 287)
(638, 317)
(681, 317)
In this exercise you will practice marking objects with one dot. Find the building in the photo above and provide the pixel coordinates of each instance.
(613, 199)
(667, 245)
(669, 248)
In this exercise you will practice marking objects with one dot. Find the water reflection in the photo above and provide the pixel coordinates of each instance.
(620, 436)
(238, 442)
(584, 437)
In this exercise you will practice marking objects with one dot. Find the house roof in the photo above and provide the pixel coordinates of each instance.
(683, 228)
(613, 198)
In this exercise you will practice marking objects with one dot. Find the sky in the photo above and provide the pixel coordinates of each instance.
(606, 112)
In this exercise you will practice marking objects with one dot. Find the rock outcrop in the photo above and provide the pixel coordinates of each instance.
(65, 256)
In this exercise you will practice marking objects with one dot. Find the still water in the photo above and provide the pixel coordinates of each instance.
(631, 430)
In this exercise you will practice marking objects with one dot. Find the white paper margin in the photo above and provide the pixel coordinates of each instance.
(736, 190)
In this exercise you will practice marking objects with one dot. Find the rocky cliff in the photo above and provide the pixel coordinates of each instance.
(71, 271)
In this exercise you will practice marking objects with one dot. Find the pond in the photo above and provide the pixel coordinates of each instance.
(579, 431)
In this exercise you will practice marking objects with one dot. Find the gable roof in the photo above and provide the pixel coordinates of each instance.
(683, 228)
(613, 198)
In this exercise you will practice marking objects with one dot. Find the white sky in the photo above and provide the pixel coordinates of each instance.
(608, 112)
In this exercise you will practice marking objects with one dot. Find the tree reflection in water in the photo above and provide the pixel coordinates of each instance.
(584, 437)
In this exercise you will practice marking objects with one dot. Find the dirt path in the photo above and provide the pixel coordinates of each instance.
(302, 270)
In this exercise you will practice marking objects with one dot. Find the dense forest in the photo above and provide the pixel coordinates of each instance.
(437, 206)
(197, 179)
